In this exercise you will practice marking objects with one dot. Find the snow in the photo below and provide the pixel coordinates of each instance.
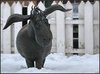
(55, 63)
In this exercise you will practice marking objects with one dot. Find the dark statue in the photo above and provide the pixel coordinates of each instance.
(34, 40)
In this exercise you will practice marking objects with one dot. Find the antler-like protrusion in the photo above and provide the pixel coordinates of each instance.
(16, 18)
(55, 7)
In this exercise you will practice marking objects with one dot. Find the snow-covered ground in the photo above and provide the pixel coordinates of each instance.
(55, 63)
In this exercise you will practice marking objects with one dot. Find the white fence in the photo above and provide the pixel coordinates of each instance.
(61, 27)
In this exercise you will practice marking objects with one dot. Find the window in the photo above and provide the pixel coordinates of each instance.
(24, 12)
(75, 10)
(47, 3)
(75, 36)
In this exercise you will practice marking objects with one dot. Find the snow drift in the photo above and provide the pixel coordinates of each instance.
(55, 63)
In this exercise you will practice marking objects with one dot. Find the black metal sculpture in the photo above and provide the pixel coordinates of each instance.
(34, 40)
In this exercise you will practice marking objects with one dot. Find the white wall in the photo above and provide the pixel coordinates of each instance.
(61, 27)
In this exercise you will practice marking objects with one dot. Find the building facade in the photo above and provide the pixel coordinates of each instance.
(76, 31)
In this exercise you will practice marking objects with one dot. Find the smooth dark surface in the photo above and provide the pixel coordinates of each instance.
(34, 40)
